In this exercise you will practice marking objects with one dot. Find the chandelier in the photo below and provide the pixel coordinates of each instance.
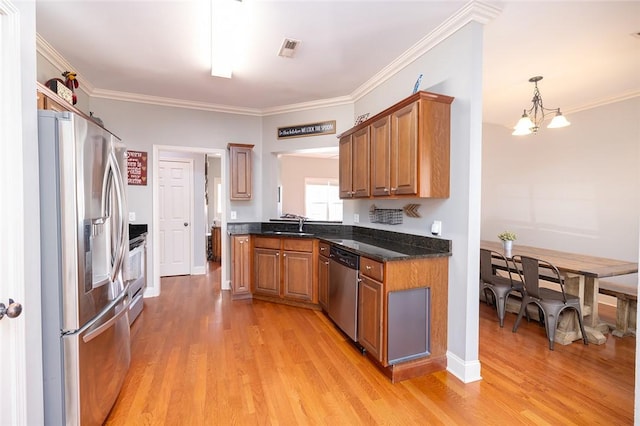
(533, 117)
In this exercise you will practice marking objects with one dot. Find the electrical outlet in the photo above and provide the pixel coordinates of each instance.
(234, 215)
(356, 218)
(436, 227)
(132, 216)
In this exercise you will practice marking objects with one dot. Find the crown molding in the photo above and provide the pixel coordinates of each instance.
(59, 62)
(171, 102)
(473, 11)
(323, 103)
(602, 102)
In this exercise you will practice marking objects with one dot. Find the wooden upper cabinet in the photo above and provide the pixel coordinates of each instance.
(240, 161)
(345, 167)
(381, 157)
(409, 149)
(354, 165)
(361, 163)
(404, 151)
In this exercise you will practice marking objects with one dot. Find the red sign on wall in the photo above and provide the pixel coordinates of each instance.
(137, 167)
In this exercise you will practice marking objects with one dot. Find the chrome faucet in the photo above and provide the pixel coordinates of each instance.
(300, 223)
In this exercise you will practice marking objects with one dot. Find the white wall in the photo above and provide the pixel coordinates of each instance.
(575, 189)
(294, 170)
(143, 126)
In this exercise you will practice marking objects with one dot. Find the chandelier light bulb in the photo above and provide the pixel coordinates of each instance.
(533, 117)
(558, 121)
(524, 125)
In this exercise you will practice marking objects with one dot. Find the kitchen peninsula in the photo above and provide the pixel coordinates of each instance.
(402, 285)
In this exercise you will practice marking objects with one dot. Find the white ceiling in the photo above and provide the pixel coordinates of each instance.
(586, 51)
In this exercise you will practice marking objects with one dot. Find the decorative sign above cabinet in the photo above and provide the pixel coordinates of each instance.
(302, 130)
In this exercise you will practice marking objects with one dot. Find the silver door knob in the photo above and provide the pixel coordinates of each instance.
(13, 310)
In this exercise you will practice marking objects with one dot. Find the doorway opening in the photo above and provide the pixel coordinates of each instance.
(199, 222)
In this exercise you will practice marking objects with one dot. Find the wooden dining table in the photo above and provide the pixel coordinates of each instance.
(581, 275)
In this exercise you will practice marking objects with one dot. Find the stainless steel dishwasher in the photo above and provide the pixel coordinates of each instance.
(343, 290)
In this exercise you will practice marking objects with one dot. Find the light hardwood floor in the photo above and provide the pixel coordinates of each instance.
(199, 358)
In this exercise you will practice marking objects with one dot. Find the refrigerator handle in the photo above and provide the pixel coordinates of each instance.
(122, 244)
(99, 330)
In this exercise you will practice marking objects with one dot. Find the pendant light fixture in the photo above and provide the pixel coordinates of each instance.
(533, 117)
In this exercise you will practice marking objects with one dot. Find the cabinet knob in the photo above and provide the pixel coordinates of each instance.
(284, 255)
(368, 268)
(394, 189)
(326, 263)
(386, 190)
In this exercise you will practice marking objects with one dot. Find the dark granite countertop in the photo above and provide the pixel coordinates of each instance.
(374, 243)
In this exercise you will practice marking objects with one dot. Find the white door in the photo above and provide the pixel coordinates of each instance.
(13, 337)
(174, 190)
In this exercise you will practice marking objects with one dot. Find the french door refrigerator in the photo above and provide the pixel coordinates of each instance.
(84, 244)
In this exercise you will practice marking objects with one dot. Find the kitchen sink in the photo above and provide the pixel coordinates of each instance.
(292, 233)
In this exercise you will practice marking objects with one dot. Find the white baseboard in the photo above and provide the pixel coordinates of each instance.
(199, 270)
(151, 292)
(466, 371)
(226, 285)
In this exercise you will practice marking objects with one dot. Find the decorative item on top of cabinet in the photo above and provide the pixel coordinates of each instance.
(241, 173)
(410, 153)
(240, 267)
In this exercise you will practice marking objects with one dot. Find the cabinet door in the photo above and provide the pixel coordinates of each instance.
(361, 163)
(323, 281)
(267, 272)
(404, 151)
(240, 268)
(297, 280)
(240, 159)
(370, 316)
(381, 157)
(345, 167)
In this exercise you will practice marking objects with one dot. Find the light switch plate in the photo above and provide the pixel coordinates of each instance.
(234, 214)
(356, 218)
(132, 216)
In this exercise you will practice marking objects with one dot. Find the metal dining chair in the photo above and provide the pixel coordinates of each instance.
(496, 285)
(551, 303)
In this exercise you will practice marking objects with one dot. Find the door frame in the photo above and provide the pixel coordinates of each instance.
(156, 287)
(191, 195)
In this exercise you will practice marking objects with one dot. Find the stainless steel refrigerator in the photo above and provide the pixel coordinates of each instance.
(84, 244)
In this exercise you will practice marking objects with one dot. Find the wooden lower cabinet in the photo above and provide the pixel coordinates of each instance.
(284, 269)
(240, 266)
(323, 276)
(378, 281)
(370, 316)
(297, 282)
(267, 272)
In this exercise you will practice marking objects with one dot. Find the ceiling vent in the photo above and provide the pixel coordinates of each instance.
(288, 48)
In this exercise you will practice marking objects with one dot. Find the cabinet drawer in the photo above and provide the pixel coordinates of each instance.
(298, 244)
(267, 242)
(323, 249)
(371, 268)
